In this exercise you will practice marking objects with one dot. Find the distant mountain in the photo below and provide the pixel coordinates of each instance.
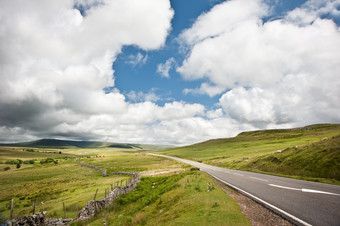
(55, 143)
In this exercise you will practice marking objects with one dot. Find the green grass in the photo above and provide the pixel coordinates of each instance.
(255, 151)
(189, 198)
(52, 184)
(66, 181)
(317, 161)
(169, 199)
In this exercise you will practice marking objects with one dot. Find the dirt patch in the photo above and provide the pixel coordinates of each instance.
(162, 171)
(258, 215)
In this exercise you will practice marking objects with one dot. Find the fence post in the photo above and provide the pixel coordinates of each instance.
(64, 209)
(35, 203)
(12, 205)
(105, 192)
(111, 187)
(95, 194)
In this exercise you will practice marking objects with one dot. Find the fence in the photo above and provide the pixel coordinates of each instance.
(90, 209)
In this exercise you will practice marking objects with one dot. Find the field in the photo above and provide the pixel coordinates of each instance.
(189, 198)
(170, 192)
(167, 186)
(311, 152)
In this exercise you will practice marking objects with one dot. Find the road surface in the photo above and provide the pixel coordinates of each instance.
(302, 202)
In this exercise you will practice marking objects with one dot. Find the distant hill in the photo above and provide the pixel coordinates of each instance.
(55, 143)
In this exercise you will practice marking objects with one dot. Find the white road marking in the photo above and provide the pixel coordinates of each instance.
(255, 178)
(289, 188)
(304, 190)
(238, 174)
(296, 219)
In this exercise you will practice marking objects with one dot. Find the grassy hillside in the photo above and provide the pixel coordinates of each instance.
(258, 150)
(317, 160)
(189, 198)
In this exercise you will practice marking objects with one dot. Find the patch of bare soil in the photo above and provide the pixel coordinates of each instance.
(161, 171)
(258, 215)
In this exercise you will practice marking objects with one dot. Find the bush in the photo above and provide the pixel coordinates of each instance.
(18, 165)
(29, 161)
(7, 168)
(14, 162)
(30, 150)
(49, 160)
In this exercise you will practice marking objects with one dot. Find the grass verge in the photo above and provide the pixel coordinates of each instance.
(189, 198)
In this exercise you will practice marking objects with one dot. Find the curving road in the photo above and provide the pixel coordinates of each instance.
(301, 202)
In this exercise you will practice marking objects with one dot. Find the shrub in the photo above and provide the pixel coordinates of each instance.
(14, 162)
(49, 160)
(30, 150)
(7, 168)
(29, 161)
(18, 165)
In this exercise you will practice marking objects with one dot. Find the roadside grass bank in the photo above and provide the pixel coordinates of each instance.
(319, 162)
(309, 153)
(189, 198)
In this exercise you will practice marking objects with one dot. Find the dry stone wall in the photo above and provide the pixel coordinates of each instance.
(93, 167)
(93, 206)
(90, 209)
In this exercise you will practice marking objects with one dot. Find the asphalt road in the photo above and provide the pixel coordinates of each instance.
(303, 202)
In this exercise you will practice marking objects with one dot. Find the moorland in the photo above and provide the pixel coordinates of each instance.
(170, 192)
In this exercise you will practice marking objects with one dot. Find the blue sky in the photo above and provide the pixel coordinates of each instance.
(166, 71)
(143, 77)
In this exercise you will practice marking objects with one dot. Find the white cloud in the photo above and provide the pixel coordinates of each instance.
(313, 9)
(138, 59)
(140, 96)
(205, 88)
(164, 69)
(281, 72)
(55, 64)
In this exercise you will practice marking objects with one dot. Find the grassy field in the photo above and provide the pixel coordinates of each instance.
(311, 152)
(189, 198)
(168, 194)
(53, 185)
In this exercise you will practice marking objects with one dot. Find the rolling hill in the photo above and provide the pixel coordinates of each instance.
(311, 151)
(55, 143)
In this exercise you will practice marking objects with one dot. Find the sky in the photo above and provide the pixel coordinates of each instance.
(172, 72)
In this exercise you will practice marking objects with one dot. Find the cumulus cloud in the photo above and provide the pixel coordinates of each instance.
(279, 72)
(163, 69)
(56, 60)
(57, 79)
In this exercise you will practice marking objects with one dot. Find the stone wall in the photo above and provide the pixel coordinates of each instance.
(90, 209)
(93, 206)
(93, 167)
(38, 219)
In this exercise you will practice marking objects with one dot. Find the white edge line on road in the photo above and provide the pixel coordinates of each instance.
(265, 203)
(255, 178)
(270, 206)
